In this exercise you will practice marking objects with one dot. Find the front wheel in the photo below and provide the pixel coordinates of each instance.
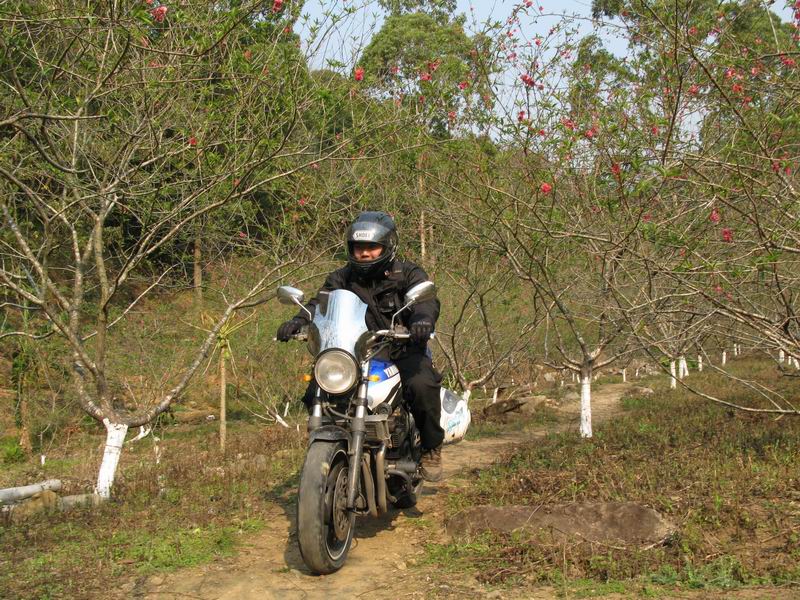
(324, 525)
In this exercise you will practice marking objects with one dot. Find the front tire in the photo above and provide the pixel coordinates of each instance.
(324, 525)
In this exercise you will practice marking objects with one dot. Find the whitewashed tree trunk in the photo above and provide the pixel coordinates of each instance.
(673, 382)
(624, 375)
(724, 357)
(467, 394)
(700, 363)
(115, 438)
(586, 402)
(683, 368)
(636, 374)
(781, 356)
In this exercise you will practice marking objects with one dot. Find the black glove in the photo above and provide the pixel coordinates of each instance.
(290, 328)
(421, 331)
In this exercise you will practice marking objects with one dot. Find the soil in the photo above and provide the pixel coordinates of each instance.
(382, 561)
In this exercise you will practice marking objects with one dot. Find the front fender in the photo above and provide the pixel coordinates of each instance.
(329, 433)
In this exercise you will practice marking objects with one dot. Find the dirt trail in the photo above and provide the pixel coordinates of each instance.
(381, 562)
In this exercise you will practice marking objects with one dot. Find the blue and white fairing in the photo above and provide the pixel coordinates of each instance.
(384, 382)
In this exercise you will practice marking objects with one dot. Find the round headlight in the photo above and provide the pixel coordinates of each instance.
(335, 371)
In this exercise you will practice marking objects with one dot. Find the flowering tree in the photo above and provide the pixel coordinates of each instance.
(127, 128)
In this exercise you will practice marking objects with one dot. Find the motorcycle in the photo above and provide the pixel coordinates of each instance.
(364, 448)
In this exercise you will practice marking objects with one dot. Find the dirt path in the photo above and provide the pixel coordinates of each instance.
(381, 562)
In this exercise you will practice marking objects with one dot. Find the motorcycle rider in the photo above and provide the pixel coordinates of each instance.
(381, 281)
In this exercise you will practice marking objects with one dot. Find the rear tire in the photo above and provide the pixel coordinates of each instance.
(324, 525)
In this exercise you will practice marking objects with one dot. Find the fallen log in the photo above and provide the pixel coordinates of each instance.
(15, 494)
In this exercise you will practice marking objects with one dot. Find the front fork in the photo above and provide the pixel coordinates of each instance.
(358, 431)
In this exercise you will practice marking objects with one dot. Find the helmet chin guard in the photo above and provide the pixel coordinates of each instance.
(372, 227)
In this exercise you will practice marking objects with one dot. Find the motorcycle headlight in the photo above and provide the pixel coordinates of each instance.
(335, 371)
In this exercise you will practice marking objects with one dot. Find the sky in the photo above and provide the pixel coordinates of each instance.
(345, 40)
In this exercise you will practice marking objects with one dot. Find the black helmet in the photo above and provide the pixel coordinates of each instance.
(373, 228)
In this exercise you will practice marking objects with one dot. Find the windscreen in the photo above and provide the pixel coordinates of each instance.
(338, 323)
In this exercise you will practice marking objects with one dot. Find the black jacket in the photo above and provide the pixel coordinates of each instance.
(383, 296)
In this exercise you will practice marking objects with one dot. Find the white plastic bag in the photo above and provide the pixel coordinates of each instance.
(455, 417)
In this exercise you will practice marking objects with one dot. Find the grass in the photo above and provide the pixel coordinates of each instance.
(728, 479)
(210, 504)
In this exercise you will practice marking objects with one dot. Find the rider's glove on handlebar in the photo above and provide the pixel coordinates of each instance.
(289, 328)
(421, 331)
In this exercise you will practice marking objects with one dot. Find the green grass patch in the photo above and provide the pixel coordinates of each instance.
(177, 514)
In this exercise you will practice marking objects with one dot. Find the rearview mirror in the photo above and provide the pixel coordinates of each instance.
(422, 292)
(290, 295)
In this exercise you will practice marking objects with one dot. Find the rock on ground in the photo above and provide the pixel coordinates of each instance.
(619, 523)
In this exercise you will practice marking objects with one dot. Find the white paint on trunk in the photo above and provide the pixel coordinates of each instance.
(467, 394)
(673, 382)
(700, 362)
(683, 368)
(115, 438)
(724, 357)
(494, 396)
(624, 375)
(586, 405)
(781, 356)
(636, 374)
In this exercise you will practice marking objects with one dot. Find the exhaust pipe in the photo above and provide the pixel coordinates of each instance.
(380, 478)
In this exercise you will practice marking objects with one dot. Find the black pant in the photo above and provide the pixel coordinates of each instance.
(421, 388)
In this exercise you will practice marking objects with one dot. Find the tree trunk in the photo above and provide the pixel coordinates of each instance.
(724, 357)
(422, 235)
(683, 369)
(586, 401)
(624, 375)
(24, 419)
(198, 269)
(223, 417)
(115, 437)
(673, 382)
(700, 363)
(781, 356)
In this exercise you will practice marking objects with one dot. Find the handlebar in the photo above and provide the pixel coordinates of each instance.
(387, 333)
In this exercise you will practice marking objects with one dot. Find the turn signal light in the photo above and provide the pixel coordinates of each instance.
(307, 378)
(374, 377)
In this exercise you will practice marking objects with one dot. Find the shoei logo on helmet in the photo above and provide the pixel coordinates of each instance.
(363, 236)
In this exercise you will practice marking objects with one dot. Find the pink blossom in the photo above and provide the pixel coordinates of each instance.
(568, 123)
(527, 80)
(463, 85)
(395, 69)
(545, 188)
(714, 216)
(425, 77)
(654, 129)
(521, 116)
(451, 116)
(302, 202)
(159, 13)
(193, 141)
(727, 235)
(277, 5)
(542, 132)
(616, 169)
(359, 74)
(694, 89)
(646, 217)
